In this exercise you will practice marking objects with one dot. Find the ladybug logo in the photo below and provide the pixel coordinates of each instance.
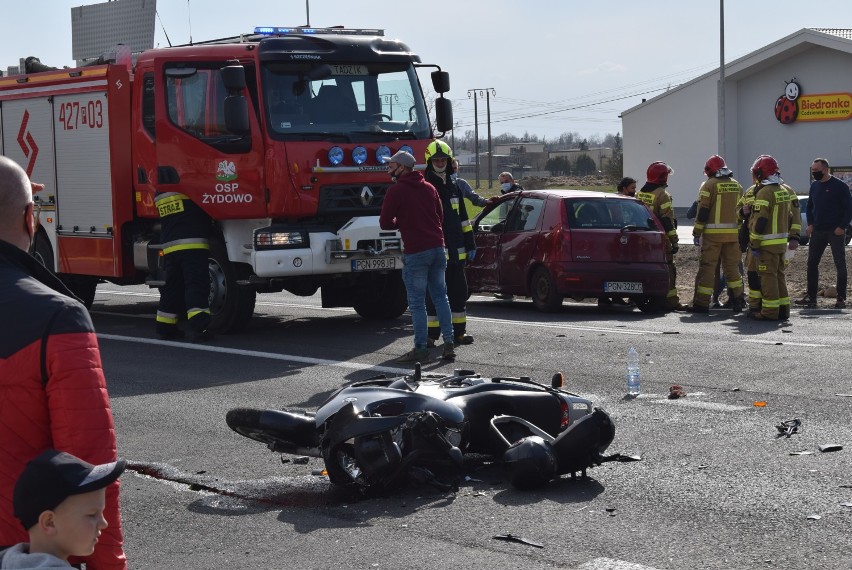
(787, 106)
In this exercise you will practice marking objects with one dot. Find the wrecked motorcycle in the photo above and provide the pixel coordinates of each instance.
(379, 433)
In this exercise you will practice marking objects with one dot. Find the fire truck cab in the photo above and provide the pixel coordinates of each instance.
(279, 136)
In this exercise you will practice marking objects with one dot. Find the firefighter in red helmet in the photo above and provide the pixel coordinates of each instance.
(770, 236)
(654, 195)
(716, 226)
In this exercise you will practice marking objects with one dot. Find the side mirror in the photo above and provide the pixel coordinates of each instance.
(441, 81)
(443, 114)
(234, 77)
(236, 115)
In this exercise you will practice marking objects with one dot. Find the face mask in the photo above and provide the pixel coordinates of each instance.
(818, 175)
(439, 170)
(506, 186)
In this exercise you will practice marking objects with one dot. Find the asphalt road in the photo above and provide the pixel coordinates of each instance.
(715, 487)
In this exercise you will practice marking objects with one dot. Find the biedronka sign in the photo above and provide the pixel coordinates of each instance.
(792, 106)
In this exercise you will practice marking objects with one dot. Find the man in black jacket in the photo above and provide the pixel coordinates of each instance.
(829, 213)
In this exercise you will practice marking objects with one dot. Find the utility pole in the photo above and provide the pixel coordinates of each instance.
(722, 79)
(476, 93)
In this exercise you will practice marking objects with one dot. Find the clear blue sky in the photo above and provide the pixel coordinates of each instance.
(556, 65)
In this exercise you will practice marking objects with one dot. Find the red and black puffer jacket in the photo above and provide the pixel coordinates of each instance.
(52, 391)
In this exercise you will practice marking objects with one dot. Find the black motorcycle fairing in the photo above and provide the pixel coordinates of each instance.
(386, 402)
(479, 408)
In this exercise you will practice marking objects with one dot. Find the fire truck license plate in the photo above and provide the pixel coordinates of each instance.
(374, 264)
(623, 287)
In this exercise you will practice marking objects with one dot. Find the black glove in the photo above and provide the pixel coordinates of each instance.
(675, 247)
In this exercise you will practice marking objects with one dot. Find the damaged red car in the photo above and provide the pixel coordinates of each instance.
(552, 244)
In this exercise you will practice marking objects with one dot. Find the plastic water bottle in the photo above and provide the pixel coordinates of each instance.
(633, 380)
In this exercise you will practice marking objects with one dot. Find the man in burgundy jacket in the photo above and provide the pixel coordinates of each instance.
(52, 388)
(413, 207)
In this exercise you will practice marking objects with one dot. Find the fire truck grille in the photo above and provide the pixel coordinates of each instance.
(352, 199)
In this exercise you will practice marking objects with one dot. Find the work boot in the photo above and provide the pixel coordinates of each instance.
(784, 313)
(806, 302)
(714, 303)
(840, 303)
(463, 339)
(697, 309)
(449, 351)
(737, 305)
(170, 332)
(415, 355)
(430, 343)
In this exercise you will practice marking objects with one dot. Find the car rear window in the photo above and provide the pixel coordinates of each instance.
(600, 213)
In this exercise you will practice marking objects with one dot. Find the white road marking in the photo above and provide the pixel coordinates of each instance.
(633, 332)
(258, 354)
(610, 564)
(714, 406)
(784, 342)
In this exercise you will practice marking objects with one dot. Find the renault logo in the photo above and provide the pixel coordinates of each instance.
(366, 196)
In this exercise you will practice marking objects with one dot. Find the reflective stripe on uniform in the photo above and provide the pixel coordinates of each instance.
(185, 244)
(168, 318)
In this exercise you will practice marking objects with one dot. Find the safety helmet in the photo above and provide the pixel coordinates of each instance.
(658, 172)
(714, 164)
(438, 149)
(530, 462)
(764, 167)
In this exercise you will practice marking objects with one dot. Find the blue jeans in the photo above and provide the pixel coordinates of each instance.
(420, 271)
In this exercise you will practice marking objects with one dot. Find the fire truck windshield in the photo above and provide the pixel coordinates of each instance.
(376, 101)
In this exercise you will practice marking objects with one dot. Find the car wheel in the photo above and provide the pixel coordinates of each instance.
(545, 297)
(649, 304)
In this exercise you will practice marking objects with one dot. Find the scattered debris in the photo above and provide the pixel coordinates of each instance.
(469, 478)
(760, 404)
(676, 391)
(319, 472)
(519, 539)
(827, 447)
(814, 517)
(788, 427)
(846, 504)
(801, 453)
(703, 466)
(301, 460)
(844, 395)
(671, 332)
(610, 510)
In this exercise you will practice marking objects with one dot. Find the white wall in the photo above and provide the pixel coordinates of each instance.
(681, 129)
(794, 146)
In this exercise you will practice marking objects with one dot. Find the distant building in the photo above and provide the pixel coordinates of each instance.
(681, 126)
(601, 155)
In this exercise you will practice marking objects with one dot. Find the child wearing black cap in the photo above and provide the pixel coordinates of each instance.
(60, 500)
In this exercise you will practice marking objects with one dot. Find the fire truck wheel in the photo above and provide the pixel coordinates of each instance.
(381, 296)
(231, 305)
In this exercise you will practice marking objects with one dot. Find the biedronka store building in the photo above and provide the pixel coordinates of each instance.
(791, 99)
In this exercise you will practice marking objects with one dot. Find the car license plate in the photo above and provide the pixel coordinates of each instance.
(374, 264)
(622, 287)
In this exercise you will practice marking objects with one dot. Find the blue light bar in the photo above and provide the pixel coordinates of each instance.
(282, 31)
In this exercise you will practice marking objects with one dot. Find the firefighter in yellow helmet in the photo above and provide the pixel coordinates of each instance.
(458, 239)
(654, 195)
(716, 226)
(770, 237)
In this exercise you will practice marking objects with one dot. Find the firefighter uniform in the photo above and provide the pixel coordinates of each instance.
(769, 232)
(754, 293)
(458, 239)
(659, 201)
(716, 225)
(185, 230)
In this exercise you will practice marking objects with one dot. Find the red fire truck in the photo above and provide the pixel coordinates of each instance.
(278, 135)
